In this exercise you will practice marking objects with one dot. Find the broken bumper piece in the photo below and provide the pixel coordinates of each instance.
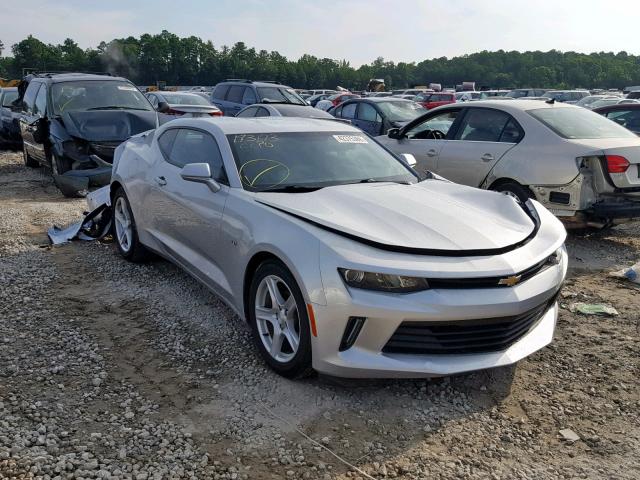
(95, 224)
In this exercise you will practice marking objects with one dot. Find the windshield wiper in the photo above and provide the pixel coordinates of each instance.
(293, 189)
(118, 107)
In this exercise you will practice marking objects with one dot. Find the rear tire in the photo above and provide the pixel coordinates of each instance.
(125, 231)
(28, 161)
(282, 321)
(515, 190)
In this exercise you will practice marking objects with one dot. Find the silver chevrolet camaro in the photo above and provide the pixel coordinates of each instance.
(341, 258)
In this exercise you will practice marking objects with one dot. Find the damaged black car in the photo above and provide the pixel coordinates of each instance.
(73, 122)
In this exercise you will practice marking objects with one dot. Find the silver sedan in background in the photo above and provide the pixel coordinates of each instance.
(580, 165)
(340, 257)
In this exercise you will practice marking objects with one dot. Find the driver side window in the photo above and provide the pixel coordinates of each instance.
(183, 145)
(441, 122)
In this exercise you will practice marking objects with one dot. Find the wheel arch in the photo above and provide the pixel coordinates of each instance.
(505, 180)
(256, 260)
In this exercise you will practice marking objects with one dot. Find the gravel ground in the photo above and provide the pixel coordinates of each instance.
(114, 370)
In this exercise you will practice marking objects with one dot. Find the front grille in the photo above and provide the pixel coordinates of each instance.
(464, 336)
(490, 282)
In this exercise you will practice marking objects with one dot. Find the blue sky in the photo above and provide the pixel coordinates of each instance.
(355, 30)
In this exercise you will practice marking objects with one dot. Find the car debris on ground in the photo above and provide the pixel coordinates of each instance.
(593, 309)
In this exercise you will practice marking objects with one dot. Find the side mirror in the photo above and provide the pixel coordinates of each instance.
(394, 133)
(410, 159)
(163, 107)
(199, 173)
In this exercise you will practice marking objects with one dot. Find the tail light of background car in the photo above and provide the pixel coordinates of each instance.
(217, 113)
(616, 164)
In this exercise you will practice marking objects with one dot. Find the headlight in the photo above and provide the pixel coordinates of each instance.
(556, 257)
(383, 282)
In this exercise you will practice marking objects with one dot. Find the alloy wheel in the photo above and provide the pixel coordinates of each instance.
(277, 318)
(122, 220)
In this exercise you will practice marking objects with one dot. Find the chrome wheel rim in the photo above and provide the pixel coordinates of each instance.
(122, 219)
(277, 318)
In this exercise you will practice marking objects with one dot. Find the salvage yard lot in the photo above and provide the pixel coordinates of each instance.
(115, 370)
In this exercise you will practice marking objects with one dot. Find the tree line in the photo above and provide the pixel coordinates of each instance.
(193, 61)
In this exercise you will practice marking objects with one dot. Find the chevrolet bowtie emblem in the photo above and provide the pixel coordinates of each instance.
(510, 281)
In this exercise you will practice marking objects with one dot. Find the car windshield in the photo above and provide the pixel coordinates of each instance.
(589, 100)
(279, 95)
(579, 123)
(300, 161)
(605, 102)
(401, 111)
(9, 97)
(97, 95)
(517, 93)
(186, 99)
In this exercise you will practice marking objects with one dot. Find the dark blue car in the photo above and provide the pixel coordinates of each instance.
(376, 115)
(231, 96)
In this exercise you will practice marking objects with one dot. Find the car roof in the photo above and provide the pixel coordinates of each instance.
(70, 77)
(307, 111)
(619, 106)
(511, 106)
(257, 84)
(236, 125)
(378, 100)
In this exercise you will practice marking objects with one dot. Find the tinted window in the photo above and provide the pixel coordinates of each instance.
(511, 133)
(249, 97)
(194, 146)
(367, 113)
(401, 111)
(248, 112)
(154, 100)
(627, 118)
(40, 106)
(30, 96)
(9, 97)
(482, 125)
(263, 112)
(165, 142)
(235, 94)
(349, 111)
(185, 99)
(279, 94)
(441, 123)
(220, 92)
(579, 122)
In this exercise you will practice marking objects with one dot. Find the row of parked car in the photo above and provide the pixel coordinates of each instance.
(582, 166)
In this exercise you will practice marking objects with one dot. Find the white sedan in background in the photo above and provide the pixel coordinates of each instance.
(581, 166)
(338, 255)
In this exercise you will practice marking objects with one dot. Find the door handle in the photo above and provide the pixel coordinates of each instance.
(487, 157)
(431, 153)
(161, 181)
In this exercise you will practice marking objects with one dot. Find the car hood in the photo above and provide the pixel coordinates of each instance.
(429, 217)
(108, 125)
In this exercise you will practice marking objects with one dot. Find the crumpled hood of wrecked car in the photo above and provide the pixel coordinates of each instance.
(431, 215)
(108, 125)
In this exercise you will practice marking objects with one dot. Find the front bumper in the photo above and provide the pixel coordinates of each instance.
(384, 313)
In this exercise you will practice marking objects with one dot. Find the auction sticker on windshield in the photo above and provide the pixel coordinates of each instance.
(350, 139)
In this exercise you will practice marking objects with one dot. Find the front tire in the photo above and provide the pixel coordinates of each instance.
(279, 320)
(125, 231)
